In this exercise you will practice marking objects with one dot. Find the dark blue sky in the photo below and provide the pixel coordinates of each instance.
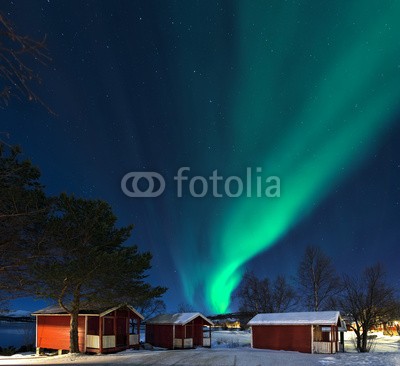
(154, 86)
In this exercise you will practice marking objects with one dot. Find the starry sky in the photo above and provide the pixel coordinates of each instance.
(308, 91)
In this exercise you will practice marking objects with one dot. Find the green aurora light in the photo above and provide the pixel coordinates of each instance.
(313, 89)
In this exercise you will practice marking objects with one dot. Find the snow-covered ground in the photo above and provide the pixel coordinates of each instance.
(229, 348)
(230, 339)
(381, 344)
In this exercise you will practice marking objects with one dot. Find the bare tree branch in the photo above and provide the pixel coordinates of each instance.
(16, 52)
(317, 279)
(264, 296)
(367, 301)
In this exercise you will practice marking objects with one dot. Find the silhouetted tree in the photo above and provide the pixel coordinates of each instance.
(184, 307)
(284, 296)
(23, 213)
(87, 263)
(368, 301)
(263, 296)
(151, 307)
(317, 280)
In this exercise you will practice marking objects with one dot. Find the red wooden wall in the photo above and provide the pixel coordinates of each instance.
(198, 331)
(180, 331)
(53, 332)
(160, 335)
(193, 330)
(282, 337)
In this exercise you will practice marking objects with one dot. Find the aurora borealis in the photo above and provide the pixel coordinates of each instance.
(339, 87)
(308, 92)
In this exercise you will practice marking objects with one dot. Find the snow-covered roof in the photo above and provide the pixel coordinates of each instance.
(299, 318)
(92, 310)
(178, 318)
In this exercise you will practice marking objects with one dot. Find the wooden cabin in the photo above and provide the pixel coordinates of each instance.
(181, 330)
(99, 330)
(309, 332)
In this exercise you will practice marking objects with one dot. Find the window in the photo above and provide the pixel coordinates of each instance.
(133, 326)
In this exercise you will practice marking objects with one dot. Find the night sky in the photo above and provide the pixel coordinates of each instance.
(308, 91)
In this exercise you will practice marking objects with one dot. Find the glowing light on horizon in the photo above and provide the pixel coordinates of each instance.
(320, 92)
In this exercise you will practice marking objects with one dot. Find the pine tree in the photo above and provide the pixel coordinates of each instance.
(86, 262)
(23, 212)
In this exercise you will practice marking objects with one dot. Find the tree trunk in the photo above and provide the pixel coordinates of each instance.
(358, 340)
(73, 333)
(316, 298)
(364, 342)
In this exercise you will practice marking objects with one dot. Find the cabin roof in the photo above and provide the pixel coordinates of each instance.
(296, 318)
(178, 318)
(85, 310)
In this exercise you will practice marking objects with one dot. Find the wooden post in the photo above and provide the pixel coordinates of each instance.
(312, 338)
(138, 329)
(36, 335)
(85, 335)
(173, 336)
(342, 340)
(128, 319)
(336, 338)
(101, 334)
(115, 326)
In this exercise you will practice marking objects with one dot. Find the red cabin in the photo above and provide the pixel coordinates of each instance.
(99, 330)
(309, 332)
(181, 330)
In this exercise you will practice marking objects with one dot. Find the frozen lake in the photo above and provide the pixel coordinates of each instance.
(16, 334)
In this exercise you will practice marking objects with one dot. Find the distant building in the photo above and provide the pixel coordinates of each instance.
(227, 323)
(181, 330)
(309, 332)
(236, 320)
(99, 330)
(389, 328)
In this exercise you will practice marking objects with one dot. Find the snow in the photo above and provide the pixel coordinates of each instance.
(57, 309)
(381, 344)
(229, 348)
(317, 318)
(178, 318)
(230, 339)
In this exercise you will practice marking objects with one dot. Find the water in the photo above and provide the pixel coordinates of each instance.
(16, 334)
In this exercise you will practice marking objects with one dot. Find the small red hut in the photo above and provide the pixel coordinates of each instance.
(309, 332)
(99, 330)
(181, 330)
